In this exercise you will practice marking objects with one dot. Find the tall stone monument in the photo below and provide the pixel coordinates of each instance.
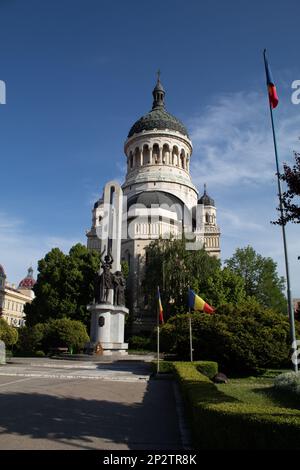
(108, 310)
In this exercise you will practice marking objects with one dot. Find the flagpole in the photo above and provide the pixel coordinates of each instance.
(191, 338)
(190, 328)
(289, 296)
(157, 368)
(158, 349)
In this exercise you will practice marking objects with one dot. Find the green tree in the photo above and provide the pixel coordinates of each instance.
(173, 268)
(30, 338)
(64, 332)
(260, 277)
(240, 339)
(291, 197)
(8, 333)
(226, 287)
(65, 285)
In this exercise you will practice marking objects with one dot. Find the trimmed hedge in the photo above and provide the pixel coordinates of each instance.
(220, 421)
(208, 368)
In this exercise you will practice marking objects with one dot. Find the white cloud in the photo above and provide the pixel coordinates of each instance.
(236, 222)
(233, 141)
(234, 154)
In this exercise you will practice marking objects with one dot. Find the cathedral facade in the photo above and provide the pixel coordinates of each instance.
(160, 199)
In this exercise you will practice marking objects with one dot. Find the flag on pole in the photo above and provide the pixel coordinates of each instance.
(197, 303)
(159, 307)
(273, 97)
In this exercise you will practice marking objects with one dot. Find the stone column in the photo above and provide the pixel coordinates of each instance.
(113, 222)
(141, 157)
(159, 154)
(150, 155)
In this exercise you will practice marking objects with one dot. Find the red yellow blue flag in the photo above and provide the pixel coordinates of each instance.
(273, 97)
(197, 303)
(159, 308)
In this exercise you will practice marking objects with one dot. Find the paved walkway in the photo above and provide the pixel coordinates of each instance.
(53, 404)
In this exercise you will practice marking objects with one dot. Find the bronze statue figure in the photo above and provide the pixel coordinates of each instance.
(104, 282)
(119, 288)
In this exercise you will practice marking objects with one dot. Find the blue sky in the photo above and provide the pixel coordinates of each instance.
(80, 72)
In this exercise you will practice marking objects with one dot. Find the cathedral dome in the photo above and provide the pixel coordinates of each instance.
(158, 117)
(206, 199)
(28, 282)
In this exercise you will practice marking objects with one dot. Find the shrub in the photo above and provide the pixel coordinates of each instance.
(140, 342)
(208, 368)
(40, 354)
(244, 339)
(220, 421)
(165, 367)
(30, 338)
(64, 332)
(289, 381)
(8, 333)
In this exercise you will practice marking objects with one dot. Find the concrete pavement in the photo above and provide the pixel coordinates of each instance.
(48, 404)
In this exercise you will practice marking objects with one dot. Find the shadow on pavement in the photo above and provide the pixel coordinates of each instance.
(90, 423)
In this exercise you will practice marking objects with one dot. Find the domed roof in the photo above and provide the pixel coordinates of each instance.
(158, 117)
(206, 199)
(28, 282)
(157, 198)
(2, 272)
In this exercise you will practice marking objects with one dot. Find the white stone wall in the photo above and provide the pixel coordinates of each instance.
(160, 160)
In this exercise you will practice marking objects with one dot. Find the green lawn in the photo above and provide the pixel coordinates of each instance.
(260, 391)
(246, 413)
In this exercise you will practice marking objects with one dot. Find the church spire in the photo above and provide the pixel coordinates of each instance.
(158, 94)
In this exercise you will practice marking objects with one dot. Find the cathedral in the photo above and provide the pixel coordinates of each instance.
(160, 199)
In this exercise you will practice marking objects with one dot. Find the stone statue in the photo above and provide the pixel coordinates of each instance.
(119, 288)
(108, 311)
(104, 281)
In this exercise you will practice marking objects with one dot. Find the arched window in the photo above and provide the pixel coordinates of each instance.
(155, 153)
(166, 154)
(175, 156)
(182, 159)
(146, 154)
(136, 157)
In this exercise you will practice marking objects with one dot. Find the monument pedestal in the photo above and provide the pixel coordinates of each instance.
(107, 328)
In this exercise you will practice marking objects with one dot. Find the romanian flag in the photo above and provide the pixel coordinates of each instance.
(160, 312)
(273, 97)
(196, 303)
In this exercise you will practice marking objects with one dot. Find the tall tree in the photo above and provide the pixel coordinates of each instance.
(260, 276)
(174, 268)
(65, 285)
(290, 197)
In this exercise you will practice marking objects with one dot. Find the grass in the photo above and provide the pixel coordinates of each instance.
(259, 391)
(246, 413)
